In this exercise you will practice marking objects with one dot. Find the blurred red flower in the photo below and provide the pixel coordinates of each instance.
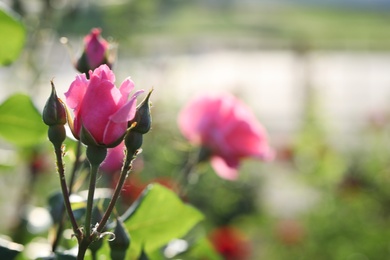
(231, 243)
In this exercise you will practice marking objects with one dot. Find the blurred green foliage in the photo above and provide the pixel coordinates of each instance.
(20, 122)
(12, 34)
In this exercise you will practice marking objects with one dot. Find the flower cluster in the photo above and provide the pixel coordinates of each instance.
(104, 116)
(107, 120)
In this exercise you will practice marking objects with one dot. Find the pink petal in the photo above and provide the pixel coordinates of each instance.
(114, 159)
(95, 48)
(75, 94)
(223, 169)
(245, 140)
(126, 87)
(100, 102)
(103, 72)
(127, 111)
(117, 123)
(197, 117)
(113, 131)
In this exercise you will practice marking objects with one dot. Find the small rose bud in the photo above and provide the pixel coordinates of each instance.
(142, 116)
(121, 242)
(54, 112)
(95, 52)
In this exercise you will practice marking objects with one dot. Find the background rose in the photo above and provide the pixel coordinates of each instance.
(114, 159)
(227, 128)
(95, 52)
(95, 48)
(101, 108)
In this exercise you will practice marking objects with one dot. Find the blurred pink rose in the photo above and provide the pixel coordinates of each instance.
(114, 159)
(95, 52)
(95, 48)
(227, 128)
(101, 108)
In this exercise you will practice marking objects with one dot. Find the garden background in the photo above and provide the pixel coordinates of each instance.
(315, 73)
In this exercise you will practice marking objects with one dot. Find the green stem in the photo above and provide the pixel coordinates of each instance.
(60, 228)
(76, 166)
(95, 156)
(83, 246)
(91, 192)
(124, 173)
(187, 176)
(65, 192)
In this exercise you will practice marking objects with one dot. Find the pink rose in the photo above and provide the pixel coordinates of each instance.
(114, 159)
(101, 108)
(227, 128)
(95, 52)
(113, 162)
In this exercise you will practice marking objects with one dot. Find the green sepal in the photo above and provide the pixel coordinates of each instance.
(96, 154)
(86, 137)
(56, 135)
(142, 116)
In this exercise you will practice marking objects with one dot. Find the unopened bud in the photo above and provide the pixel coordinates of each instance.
(95, 52)
(54, 112)
(143, 117)
(121, 242)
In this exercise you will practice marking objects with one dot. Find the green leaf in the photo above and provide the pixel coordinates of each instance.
(8, 249)
(20, 122)
(160, 217)
(12, 35)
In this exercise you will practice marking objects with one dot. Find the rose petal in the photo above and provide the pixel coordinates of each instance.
(114, 159)
(117, 123)
(126, 87)
(95, 48)
(100, 102)
(76, 92)
(223, 169)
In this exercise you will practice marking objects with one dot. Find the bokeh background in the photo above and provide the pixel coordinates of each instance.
(316, 74)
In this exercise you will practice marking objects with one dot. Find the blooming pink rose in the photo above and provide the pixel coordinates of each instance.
(101, 108)
(227, 128)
